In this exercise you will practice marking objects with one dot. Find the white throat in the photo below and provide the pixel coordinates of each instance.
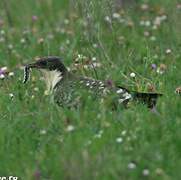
(51, 78)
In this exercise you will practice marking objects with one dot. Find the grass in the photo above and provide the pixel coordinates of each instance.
(35, 142)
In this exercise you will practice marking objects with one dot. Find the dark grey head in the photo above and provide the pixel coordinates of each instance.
(50, 63)
(52, 69)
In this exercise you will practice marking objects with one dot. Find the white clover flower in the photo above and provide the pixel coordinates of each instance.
(94, 59)
(62, 31)
(67, 41)
(147, 23)
(142, 23)
(157, 21)
(89, 142)
(66, 21)
(146, 33)
(123, 133)
(131, 165)
(116, 15)
(163, 17)
(144, 7)
(132, 75)
(95, 64)
(154, 27)
(40, 40)
(46, 92)
(146, 172)
(36, 89)
(10, 46)
(168, 51)
(107, 19)
(70, 128)
(43, 132)
(95, 45)
(11, 74)
(2, 39)
(22, 40)
(153, 38)
(2, 76)
(98, 136)
(11, 95)
(4, 68)
(119, 140)
(2, 32)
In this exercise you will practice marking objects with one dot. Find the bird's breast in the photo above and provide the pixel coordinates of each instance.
(51, 78)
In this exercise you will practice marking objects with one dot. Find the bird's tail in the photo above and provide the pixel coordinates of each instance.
(150, 99)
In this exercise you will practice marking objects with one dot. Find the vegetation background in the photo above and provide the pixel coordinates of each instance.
(38, 140)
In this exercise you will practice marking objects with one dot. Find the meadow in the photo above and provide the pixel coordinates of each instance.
(137, 46)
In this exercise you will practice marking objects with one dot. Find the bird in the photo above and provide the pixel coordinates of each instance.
(66, 87)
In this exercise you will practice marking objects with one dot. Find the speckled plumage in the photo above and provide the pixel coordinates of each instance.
(67, 87)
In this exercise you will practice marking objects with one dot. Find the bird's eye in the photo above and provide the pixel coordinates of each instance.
(43, 63)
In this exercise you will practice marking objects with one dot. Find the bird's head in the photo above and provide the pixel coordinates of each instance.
(52, 68)
(51, 63)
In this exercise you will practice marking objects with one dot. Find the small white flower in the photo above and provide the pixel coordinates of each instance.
(67, 41)
(132, 75)
(2, 39)
(119, 140)
(66, 21)
(155, 56)
(146, 172)
(22, 40)
(95, 45)
(131, 165)
(2, 32)
(89, 142)
(86, 66)
(146, 33)
(46, 92)
(93, 58)
(116, 15)
(123, 133)
(10, 46)
(11, 74)
(62, 31)
(142, 23)
(36, 89)
(95, 64)
(70, 128)
(4, 68)
(168, 51)
(2, 76)
(147, 23)
(11, 95)
(153, 38)
(98, 136)
(144, 7)
(107, 18)
(40, 40)
(157, 21)
(154, 27)
(43, 131)
(163, 17)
